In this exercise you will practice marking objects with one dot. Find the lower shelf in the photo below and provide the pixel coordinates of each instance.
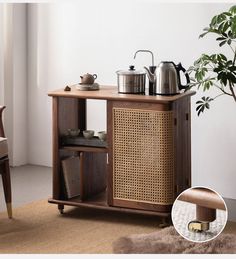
(100, 202)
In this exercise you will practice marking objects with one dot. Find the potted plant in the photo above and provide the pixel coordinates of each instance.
(217, 70)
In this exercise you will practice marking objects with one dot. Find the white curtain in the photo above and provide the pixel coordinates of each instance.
(13, 78)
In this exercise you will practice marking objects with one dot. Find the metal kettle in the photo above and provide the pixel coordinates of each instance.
(166, 78)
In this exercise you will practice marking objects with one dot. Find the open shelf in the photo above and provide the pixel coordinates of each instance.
(85, 149)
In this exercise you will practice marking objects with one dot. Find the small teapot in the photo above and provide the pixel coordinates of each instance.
(88, 79)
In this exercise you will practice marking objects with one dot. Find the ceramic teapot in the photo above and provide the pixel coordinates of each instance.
(88, 79)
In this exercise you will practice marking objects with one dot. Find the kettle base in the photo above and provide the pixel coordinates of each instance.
(141, 93)
(166, 94)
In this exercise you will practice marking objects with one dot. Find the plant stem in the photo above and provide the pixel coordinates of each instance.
(232, 91)
(222, 90)
(232, 49)
(234, 56)
(218, 96)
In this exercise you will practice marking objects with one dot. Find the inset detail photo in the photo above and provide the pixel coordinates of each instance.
(199, 214)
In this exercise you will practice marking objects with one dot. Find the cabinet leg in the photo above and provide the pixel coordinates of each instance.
(165, 222)
(61, 208)
(203, 218)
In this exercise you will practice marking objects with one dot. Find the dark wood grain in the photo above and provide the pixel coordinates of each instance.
(93, 173)
(205, 214)
(86, 149)
(203, 197)
(142, 205)
(6, 180)
(182, 143)
(93, 204)
(56, 180)
(110, 153)
(96, 171)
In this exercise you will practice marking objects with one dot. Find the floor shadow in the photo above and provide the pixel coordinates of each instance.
(111, 216)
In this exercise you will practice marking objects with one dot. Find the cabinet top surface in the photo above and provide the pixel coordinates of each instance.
(111, 93)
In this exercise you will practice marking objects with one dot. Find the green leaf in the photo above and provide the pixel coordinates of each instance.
(232, 68)
(220, 18)
(206, 29)
(202, 104)
(221, 26)
(223, 57)
(222, 43)
(224, 34)
(232, 9)
(233, 28)
(226, 26)
(199, 106)
(202, 35)
(213, 21)
(198, 102)
(227, 13)
(221, 38)
(201, 110)
(224, 79)
(232, 78)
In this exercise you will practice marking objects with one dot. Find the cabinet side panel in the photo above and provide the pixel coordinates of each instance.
(67, 113)
(182, 136)
(55, 151)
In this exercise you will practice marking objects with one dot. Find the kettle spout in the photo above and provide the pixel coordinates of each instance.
(150, 75)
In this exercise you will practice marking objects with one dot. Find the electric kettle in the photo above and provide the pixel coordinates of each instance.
(166, 78)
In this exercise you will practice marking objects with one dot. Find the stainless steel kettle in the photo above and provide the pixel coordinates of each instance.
(166, 78)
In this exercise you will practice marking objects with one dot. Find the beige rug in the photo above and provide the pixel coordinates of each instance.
(168, 241)
(39, 228)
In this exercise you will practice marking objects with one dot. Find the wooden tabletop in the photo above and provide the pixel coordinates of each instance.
(111, 93)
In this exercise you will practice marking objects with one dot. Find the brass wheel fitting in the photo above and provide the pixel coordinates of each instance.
(198, 226)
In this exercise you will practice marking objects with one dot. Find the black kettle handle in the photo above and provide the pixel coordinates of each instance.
(179, 68)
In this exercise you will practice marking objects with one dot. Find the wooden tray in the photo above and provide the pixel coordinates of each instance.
(81, 141)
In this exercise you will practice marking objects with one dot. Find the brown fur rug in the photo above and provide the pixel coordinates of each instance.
(168, 241)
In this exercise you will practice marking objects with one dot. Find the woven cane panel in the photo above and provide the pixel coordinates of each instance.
(143, 155)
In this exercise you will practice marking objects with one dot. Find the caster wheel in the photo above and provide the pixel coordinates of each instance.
(198, 226)
(164, 223)
(61, 208)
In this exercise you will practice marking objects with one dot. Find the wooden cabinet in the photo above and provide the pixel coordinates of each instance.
(147, 160)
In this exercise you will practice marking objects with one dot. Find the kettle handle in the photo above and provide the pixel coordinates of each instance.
(179, 68)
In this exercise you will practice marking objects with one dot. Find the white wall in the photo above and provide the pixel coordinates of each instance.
(70, 39)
